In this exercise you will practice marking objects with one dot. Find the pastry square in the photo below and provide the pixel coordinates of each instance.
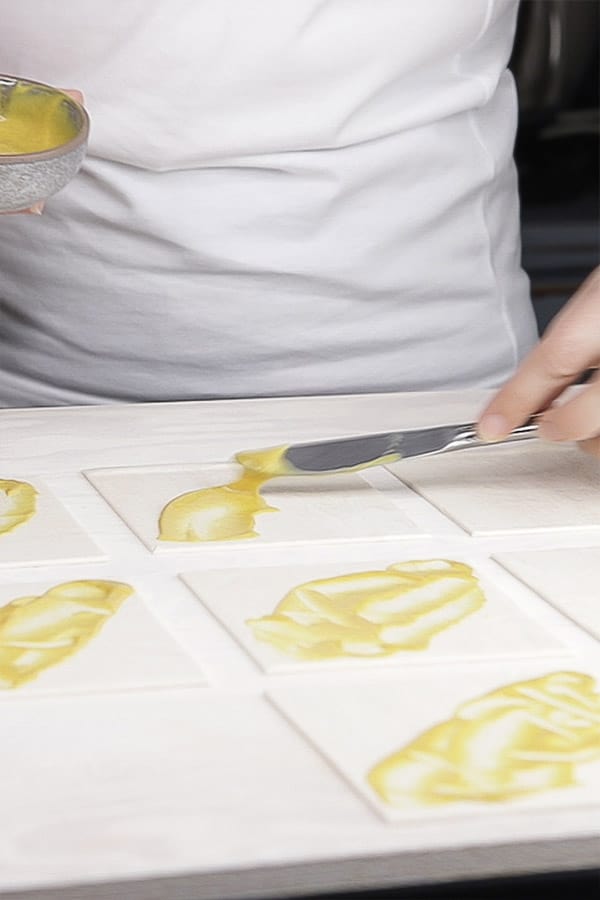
(85, 635)
(452, 741)
(513, 488)
(188, 507)
(36, 529)
(568, 578)
(368, 612)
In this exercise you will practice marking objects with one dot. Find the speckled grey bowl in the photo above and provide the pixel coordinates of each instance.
(62, 127)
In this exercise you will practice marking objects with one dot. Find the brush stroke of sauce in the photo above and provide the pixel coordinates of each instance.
(371, 614)
(17, 504)
(518, 740)
(40, 631)
(227, 512)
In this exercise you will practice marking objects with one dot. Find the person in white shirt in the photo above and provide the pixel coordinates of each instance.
(279, 199)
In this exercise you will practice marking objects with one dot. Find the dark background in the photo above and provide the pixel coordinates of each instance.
(556, 68)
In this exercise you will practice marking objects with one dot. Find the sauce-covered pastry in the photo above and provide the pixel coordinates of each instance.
(370, 614)
(39, 632)
(521, 739)
(17, 504)
(225, 512)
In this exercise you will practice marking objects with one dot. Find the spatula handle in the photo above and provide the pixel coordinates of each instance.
(469, 437)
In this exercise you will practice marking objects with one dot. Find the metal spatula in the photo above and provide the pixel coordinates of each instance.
(373, 449)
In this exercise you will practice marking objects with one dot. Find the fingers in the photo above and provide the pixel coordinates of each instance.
(592, 447)
(576, 420)
(76, 95)
(569, 347)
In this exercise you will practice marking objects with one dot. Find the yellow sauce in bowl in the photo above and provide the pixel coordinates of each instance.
(34, 118)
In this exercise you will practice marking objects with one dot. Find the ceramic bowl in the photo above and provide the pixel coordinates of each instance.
(43, 139)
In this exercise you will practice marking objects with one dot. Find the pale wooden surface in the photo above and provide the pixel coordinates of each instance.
(207, 792)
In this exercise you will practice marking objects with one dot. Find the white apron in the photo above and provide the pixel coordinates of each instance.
(281, 197)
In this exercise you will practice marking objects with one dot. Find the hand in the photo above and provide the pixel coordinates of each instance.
(569, 347)
(37, 208)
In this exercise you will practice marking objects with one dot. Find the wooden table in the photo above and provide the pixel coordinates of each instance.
(207, 792)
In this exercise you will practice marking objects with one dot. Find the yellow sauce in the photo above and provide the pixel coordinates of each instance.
(39, 632)
(226, 512)
(371, 614)
(17, 504)
(518, 740)
(34, 118)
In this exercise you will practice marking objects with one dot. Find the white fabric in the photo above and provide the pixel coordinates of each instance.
(280, 198)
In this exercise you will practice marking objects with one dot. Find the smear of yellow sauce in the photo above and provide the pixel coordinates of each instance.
(17, 504)
(518, 740)
(371, 614)
(34, 118)
(225, 512)
(39, 632)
